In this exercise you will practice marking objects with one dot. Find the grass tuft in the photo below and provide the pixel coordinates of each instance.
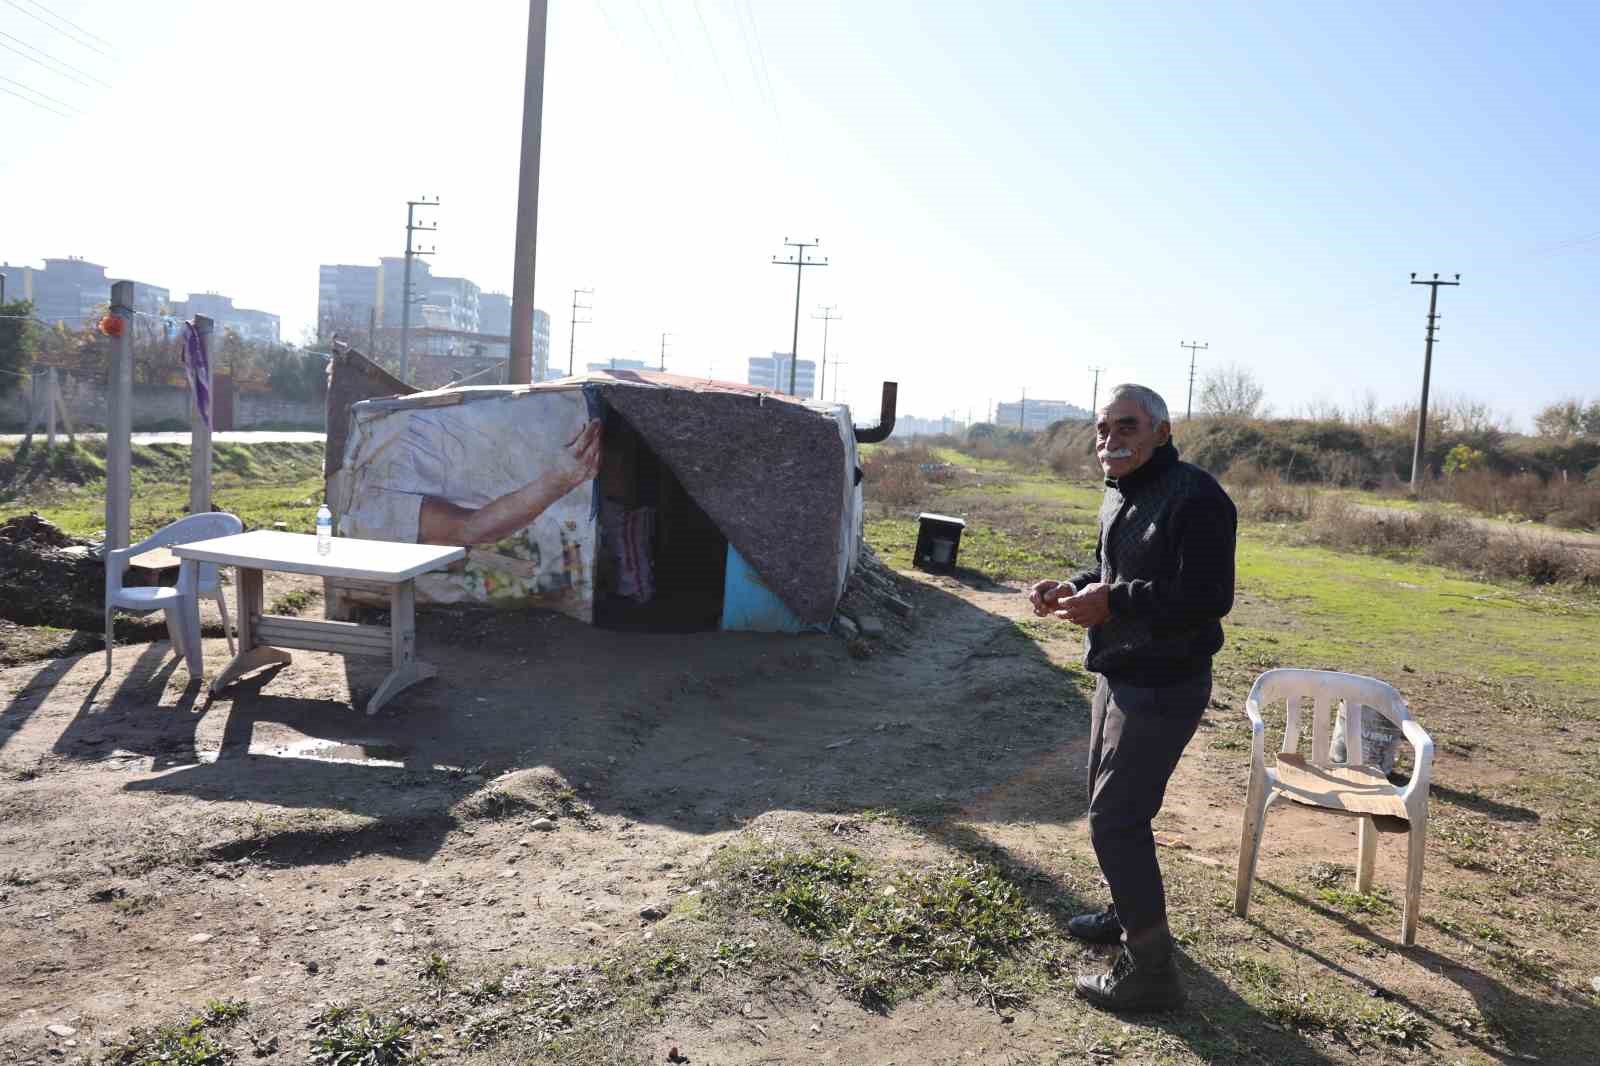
(344, 1035)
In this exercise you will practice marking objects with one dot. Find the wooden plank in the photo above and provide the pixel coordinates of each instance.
(296, 553)
(376, 635)
(1351, 789)
(353, 584)
(332, 636)
(306, 642)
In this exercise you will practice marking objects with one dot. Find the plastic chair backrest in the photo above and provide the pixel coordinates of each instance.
(185, 530)
(1326, 689)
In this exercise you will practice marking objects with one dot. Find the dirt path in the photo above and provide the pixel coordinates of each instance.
(158, 849)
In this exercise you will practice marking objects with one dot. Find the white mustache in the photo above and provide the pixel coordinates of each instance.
(1120, 453)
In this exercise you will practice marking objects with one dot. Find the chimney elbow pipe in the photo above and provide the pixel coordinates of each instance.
(885, 426)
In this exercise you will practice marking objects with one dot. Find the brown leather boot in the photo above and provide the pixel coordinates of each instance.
(1143, 977)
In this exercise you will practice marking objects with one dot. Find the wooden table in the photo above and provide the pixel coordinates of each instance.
(262, 637)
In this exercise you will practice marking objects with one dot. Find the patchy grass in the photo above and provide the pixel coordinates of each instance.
(261, 483)
(1389, 615)
(887, 934)
(194, 1042)
(344, 1035)
(293, 602)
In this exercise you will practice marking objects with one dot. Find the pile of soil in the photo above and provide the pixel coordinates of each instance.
(51, 578)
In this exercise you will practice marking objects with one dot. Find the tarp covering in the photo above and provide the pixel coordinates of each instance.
(770, 472)
(775, 475)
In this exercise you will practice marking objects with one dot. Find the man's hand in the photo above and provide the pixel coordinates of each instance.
(579, 461)
(1089, 607)
(1045, 596)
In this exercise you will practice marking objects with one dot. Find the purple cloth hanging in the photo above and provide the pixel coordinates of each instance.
(198, 362)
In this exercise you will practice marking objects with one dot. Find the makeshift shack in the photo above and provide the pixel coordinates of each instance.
(622, 498)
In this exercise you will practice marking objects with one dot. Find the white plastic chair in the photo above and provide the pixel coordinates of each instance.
(1363, 791)
(180, 603)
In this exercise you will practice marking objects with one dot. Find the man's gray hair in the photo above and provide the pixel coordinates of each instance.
(1149, 399)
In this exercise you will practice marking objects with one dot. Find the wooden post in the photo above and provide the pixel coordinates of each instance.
(50, 406)
(199, 432)
(119, 420)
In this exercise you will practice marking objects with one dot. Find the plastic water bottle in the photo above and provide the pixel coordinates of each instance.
(324, 530)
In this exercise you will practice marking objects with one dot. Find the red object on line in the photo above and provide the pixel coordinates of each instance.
(112, 325)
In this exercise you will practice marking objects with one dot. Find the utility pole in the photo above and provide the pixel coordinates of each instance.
(837, 363)
(412, 226)
(527, 239)
(372, 332)
(664, 337)
(826, 316)
(1094, 404)
(1189, 413)
(572, 333)
(799, 260)
(1417, 459)
(1022, 411)
(2, 288)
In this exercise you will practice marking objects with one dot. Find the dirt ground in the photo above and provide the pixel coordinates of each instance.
(160, 848)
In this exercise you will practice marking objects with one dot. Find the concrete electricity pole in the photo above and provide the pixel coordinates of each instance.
(412, 226)
(1418, 461)
(1189, 413)
(799, 260)
(576, 322)
(1094, 404)
(1022, 412)
(664, 337)
(522, 267)
(826, 316)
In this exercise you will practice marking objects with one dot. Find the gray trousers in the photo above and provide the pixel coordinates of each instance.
(1136, 737)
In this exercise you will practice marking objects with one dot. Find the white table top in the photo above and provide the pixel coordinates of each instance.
(296, 553)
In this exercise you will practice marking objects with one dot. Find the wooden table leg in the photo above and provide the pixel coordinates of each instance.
(406, 669)
(251, 653)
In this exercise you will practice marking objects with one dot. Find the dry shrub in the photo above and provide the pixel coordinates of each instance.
(1339, 523)
(1262, 495)
(1448, 540)
(1572, 504)
(897, 477)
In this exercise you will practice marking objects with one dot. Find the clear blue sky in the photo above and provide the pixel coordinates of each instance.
(1008, 193)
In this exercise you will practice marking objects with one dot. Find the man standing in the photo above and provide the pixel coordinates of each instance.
(1152, 606)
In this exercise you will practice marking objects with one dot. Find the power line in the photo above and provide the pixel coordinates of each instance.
(1094, 404)
(49, 59)
(572, 333)
(827, 316)
(661, 45)
(713, 50)
(35, 103)
(412, 227)
(799, 260)
(772, 97)
(36, 92)
(62, 18)
(74, 38)
(1192, 349)
(1417, 459)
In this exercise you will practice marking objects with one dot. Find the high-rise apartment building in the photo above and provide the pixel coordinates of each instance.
(1038, 414)
(347, 296)
(258, 327)
(772, 372)
(72, 290)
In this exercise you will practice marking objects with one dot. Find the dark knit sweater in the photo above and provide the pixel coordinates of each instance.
(1167, 535)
